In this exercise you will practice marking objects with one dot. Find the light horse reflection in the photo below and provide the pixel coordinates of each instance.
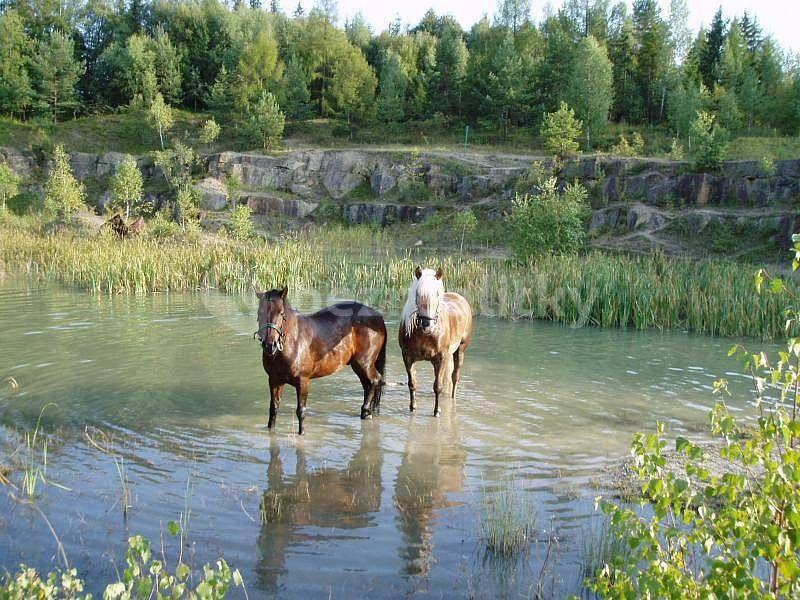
(432, 468)
(343, 498)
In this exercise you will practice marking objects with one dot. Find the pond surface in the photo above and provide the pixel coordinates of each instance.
(172, 387)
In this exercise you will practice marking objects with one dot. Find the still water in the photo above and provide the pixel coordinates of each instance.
(172, 387)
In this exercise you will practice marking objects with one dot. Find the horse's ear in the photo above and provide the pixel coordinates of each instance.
(259, 295)
(284, 292)
(418, 272)
(439, 273)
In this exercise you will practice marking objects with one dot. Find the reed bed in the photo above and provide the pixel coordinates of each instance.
(645, 292)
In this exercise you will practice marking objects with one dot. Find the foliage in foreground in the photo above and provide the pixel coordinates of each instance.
(734, 533)
(143, 577)
(640, 292)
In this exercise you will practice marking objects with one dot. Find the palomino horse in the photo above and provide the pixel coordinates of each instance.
(298, 348)
(436, 326)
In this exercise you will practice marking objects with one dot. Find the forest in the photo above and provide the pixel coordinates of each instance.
(244, 63)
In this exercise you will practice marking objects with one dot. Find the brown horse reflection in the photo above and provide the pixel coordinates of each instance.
(344, 498)
(432, 468)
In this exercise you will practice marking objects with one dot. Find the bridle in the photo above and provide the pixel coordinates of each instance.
(266, 326)
(432, 319)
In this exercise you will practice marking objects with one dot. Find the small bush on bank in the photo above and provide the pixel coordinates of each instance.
(549, 222)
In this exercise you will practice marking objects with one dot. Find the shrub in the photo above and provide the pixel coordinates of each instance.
(241, 224)
(732, 533)
(561, 131)
(160, 227)
(9, 185)
(209, 132)
(676, 151)
(187, 204)
(64, 195)
(266, 121)
(126, 185)
(465, 222)
(549, 221)
(708, 149)
(633, 148)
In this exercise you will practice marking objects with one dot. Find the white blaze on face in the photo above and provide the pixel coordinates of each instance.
(424, 297)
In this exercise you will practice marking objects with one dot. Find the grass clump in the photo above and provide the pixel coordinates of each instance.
(508, 524)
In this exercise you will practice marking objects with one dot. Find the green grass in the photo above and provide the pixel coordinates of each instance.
(641, 292)
(125, 131)
(508, 524)
(773, 147)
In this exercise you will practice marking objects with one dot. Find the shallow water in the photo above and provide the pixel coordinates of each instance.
(172, 386)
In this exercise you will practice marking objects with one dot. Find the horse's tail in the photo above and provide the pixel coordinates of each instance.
(380, 365)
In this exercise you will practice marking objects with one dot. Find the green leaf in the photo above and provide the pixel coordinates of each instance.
(173, 528)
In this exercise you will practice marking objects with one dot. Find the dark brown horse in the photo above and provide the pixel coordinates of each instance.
(437, 327)
(298, 348)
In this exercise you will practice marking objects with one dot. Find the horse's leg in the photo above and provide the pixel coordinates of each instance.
(369, 388)
(302, 397)
(438, 372)
(275, 393)
(458, 362)
(412, 381)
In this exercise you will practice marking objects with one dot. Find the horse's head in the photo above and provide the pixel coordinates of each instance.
(272, 307)
(429, 292)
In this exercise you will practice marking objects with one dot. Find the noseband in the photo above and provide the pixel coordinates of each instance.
(432, 319)
(263, 328)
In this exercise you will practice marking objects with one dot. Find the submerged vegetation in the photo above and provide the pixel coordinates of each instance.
(641, 292)
(509, 518)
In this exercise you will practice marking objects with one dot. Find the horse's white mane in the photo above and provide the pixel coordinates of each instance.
(428, 287)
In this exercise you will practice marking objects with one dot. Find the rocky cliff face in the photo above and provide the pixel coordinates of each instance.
(373, 186)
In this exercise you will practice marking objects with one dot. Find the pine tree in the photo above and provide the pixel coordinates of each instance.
(652, 56)
(55, 75)
(561, 131)
(297, 99)
(627, 102)
(392, 88)
(266, 121)
(712, 51)
(219, 98)
(15, 87)
(64, 195)
(591, 86)
(299, 12)
(451, 68)
(167, 66)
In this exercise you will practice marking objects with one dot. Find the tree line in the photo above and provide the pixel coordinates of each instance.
(637, 66)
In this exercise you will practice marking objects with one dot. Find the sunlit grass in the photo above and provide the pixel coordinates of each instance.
(508, 525)
(640, 292)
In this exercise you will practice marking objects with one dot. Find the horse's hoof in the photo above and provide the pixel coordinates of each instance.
(436, 413)
(365, 414)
